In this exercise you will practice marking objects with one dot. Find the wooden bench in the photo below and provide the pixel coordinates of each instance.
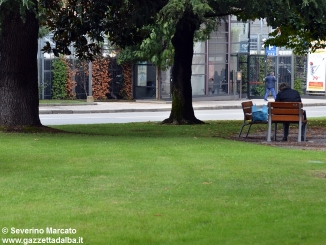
(247, 120)
(286, 112)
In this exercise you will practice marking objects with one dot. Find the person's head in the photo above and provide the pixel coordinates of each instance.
(283, 86)
(271, 73)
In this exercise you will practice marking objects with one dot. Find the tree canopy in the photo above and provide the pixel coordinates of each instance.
(298, 24)
(172, 24)
(85, 23)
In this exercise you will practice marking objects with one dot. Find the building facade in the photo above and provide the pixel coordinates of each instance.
(230, 64)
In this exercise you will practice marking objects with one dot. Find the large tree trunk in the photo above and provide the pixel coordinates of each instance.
(18, 69)
(182, 111)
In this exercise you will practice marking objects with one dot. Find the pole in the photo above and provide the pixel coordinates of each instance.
(276, 69)
(158, 83)
(234, 81)
(90, 97)
(239, 78)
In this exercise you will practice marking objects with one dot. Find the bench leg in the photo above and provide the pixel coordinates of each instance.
(269, 129)
(299, 131)
(243, 125)
(304, 131)
(248, 130)
(241, 129)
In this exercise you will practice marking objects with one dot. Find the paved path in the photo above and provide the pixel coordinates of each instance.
(147, 105)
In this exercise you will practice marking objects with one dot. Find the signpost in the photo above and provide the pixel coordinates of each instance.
(271, 51)
(239, 79)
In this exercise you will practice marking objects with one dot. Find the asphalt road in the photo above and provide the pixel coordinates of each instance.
(205, 115)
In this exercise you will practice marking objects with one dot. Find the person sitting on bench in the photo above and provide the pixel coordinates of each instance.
(286, 94)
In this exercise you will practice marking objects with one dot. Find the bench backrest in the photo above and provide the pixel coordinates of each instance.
(285, 111)
(246, 107)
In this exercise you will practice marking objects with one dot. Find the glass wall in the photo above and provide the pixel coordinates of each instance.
(166, 78)
(285, 69)
(239, 54)
(198, 69)
(44, 71)
(217, 70)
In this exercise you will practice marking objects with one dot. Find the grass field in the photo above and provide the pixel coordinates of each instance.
(145, 183)
(58, 102)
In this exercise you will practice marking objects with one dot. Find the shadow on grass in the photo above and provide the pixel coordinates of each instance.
(211, 129)
(222, 129)
(32, 129)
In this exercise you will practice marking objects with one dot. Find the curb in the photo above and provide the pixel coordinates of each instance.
(67, 104)
(100, 111)
(44, 111)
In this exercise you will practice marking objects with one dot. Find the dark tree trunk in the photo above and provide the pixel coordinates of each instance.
(18, 69)
(182, 111)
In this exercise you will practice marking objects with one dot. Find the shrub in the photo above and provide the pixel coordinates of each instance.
(59, 79)
(298, 85)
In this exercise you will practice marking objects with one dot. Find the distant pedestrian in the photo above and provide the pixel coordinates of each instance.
(270, 81)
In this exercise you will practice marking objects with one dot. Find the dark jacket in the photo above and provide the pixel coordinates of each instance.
(270, 81)
(288, 95)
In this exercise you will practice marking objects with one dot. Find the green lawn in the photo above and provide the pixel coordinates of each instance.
(145, 184)
(59, 102)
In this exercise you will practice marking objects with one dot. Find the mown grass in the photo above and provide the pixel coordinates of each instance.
(146, 183)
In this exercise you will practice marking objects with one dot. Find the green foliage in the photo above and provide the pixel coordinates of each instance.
(181, 185)
(152, 31)
(6, 6)
(128, 54)
(258, 90)
(120, 20)
(298, 85)
(43, 31)
(300, 73)
(59, 79)
(302, 29)
(42, 86)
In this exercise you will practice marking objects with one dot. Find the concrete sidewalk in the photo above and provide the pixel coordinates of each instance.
(153, 105)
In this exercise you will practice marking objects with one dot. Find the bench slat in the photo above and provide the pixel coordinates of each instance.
(285, 118)
(277, 111)
(286, 104)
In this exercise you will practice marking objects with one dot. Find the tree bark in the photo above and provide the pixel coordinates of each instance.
(182, 111)
(19, 103)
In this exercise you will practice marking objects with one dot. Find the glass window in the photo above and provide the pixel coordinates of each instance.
(217, 48)
(218, 58)
(47, 84)
(198, 69)
(200, 47)
(239, 32)
(48, 64)
(198, 84)
(145, 75)
(242, 47)
(199, 59)
(284, 69)
(141, 75)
